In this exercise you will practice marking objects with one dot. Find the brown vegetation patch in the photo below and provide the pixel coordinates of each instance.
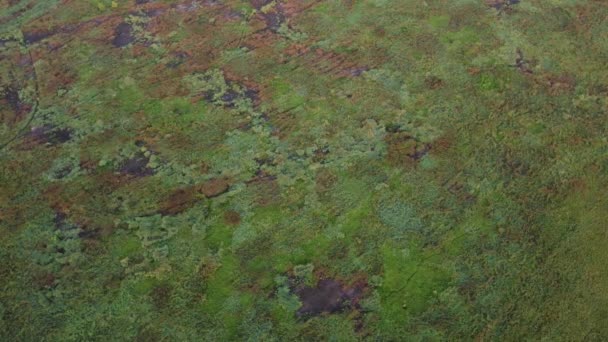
(179, 201)
(232, 218)
(214, 187)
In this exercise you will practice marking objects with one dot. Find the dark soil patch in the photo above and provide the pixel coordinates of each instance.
(273, 19)
(123, 35)
(258, 4)
(36, 36)
(63, 172)
(357, 71)
(154, 12)
(521, 63)
(178, 59)
(137, 166)
(89, 234)
(230, 97)
(329, 296)
(59, 220)
(234, 93)
(12, 98)
(62, 223)
(47, 135)
(252, 95)
(320, 155)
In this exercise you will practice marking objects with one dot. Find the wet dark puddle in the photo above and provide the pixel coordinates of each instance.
(12, 98)
(232, 96)
(329, 296)
(48, 135)
(123, 35)
(501, 4)
(137, 166)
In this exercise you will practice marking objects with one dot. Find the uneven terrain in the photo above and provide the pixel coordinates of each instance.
(303, 170)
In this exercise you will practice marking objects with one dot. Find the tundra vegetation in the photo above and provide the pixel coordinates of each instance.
(231, 170)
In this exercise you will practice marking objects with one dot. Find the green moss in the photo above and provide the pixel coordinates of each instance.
(439, 22)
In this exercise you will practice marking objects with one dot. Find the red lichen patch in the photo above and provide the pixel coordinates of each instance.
(179, 201)
(297, 49)
(232, 218)
(262, 40)
(160, 83)
(214, 187)
(328, 62)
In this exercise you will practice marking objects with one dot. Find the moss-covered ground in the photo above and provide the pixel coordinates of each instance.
(340, 170)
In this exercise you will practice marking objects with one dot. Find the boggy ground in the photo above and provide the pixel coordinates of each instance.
(303, 170)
